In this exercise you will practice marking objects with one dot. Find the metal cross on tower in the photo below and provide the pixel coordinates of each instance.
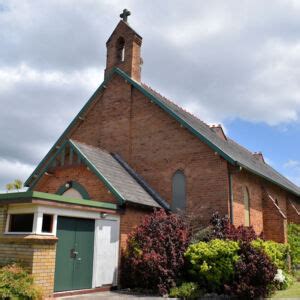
(124, 15)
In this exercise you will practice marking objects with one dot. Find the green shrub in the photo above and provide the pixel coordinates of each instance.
(294, 242)
(277, 252)
(187, 290)
(16, 283)
(212, 264)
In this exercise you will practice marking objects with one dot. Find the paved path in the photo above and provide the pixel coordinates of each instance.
(111, 295)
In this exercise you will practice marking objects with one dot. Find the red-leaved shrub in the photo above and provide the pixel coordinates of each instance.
(223, 229)
(253, 275)
(154, 257)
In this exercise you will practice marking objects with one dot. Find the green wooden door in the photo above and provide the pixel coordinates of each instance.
(74, 254)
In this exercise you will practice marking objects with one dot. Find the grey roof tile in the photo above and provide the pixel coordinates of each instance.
(116, 175)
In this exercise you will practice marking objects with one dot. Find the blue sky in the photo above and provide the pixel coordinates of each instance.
(231, 62)
(279, 144)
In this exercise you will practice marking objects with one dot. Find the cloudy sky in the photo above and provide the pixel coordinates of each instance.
(230, 62)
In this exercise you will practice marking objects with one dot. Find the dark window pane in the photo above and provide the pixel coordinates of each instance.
(47, 223)
(179, 191)
(21, 223)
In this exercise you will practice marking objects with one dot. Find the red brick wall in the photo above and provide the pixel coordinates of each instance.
(130, 218)
(132, 59)
(264, 216)
(80, 174)
(293, 211)
(154, 144)
(275, 222)
(253, 183)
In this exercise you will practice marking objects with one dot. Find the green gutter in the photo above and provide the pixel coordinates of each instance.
(267, 179)
(57, 198)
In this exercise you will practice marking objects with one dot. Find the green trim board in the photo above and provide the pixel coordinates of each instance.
(56, 198)
(85, 160)
(75, 185)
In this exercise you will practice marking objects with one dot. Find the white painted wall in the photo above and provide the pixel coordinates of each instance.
(106, 252)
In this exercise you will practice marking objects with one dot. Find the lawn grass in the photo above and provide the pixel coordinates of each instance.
(292, 292)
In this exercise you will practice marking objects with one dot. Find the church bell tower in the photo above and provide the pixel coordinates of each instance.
(124, 49)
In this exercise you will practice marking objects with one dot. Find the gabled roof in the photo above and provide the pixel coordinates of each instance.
(117, 180)
(114, 174)
(228, 149)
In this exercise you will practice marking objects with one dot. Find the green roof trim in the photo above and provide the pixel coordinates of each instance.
(63, 135)
(31, 181)
(157, 101)
(174, 115)
(85, 160)
(57, 198)
(113, 190)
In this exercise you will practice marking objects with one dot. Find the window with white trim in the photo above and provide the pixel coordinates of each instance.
(21, 222)
(31, 221)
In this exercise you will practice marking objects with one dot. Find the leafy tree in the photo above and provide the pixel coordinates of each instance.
(9, 187)
(17, 184)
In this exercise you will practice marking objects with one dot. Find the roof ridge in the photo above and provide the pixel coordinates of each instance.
(243, 147)
(174, 103)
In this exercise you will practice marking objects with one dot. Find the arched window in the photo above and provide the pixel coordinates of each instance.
(246, 206)
(178, 191)
(73, 189)
(120, 49)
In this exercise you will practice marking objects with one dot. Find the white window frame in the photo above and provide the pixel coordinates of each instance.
(37, 212)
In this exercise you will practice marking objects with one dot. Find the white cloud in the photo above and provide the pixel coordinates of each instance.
(220, 60)
(292, 164)
(11, 170)
(292, 168)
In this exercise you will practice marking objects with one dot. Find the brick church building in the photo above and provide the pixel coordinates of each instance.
(127, 151)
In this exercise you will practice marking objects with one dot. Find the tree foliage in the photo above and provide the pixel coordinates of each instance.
(211, 264)
(294, 242)
(17, 184)
(253, 274)
(16, 283)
